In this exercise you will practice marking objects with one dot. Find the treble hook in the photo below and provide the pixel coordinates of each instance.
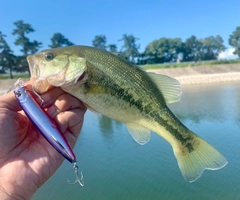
(40, 98)
(78, 180)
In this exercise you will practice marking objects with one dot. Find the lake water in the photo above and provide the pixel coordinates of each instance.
(115, 167)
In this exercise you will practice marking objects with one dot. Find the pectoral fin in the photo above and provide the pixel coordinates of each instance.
(170, 87)
(139, 134)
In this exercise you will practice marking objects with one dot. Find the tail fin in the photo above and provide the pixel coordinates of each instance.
(204, 156)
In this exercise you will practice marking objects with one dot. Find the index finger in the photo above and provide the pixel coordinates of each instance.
(50, 96)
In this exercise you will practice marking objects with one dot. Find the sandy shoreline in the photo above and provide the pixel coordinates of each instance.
(188, 75)
(209, 78)
(203, 74)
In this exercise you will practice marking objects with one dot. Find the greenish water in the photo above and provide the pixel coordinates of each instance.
(115, 167)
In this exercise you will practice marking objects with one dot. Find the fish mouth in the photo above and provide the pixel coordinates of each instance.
(42, 81)
(39, 85)
(33, 67)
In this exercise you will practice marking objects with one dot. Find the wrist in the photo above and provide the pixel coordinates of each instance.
(9, 194)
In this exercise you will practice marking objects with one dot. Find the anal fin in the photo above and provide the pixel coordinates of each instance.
(140, 134)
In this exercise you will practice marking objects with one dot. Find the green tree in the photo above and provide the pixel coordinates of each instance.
(191, 49)
(59, 40)
(100, 41)
(234, 41)
(28, 47)
(21, 30)
(202, 49)
(112, 48)
(8, 60)
(163, 50)
(174, 49)
(152, 53)
(211, 47)
(130, 48)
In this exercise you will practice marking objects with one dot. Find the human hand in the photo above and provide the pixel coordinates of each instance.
(27, 160)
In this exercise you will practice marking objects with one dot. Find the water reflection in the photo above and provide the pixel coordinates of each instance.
(116, 167)
(215, 102)
(106, 126)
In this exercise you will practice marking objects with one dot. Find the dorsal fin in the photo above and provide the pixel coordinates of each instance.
(170, 87)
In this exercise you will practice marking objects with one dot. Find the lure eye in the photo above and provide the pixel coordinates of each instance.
(49, 56)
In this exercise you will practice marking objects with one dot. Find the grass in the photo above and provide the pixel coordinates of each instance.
(15, 76)
(190, 64)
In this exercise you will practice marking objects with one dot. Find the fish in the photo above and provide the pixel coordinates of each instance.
(110, 85)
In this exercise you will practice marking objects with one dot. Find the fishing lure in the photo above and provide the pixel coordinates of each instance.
(44, 124)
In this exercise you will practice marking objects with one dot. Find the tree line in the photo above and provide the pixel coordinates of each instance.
(158, 51)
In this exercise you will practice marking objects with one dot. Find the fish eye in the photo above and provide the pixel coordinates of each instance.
(49, 56)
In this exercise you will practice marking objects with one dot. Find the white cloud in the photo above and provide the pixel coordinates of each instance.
(227, 55)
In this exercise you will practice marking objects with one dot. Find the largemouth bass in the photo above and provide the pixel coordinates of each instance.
(110, 85)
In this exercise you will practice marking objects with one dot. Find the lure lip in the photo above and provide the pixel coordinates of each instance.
(44, 124)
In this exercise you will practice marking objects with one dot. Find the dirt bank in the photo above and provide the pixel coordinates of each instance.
(204, 74)
(7, 84)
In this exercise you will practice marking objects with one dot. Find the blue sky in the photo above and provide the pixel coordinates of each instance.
(81, 20)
